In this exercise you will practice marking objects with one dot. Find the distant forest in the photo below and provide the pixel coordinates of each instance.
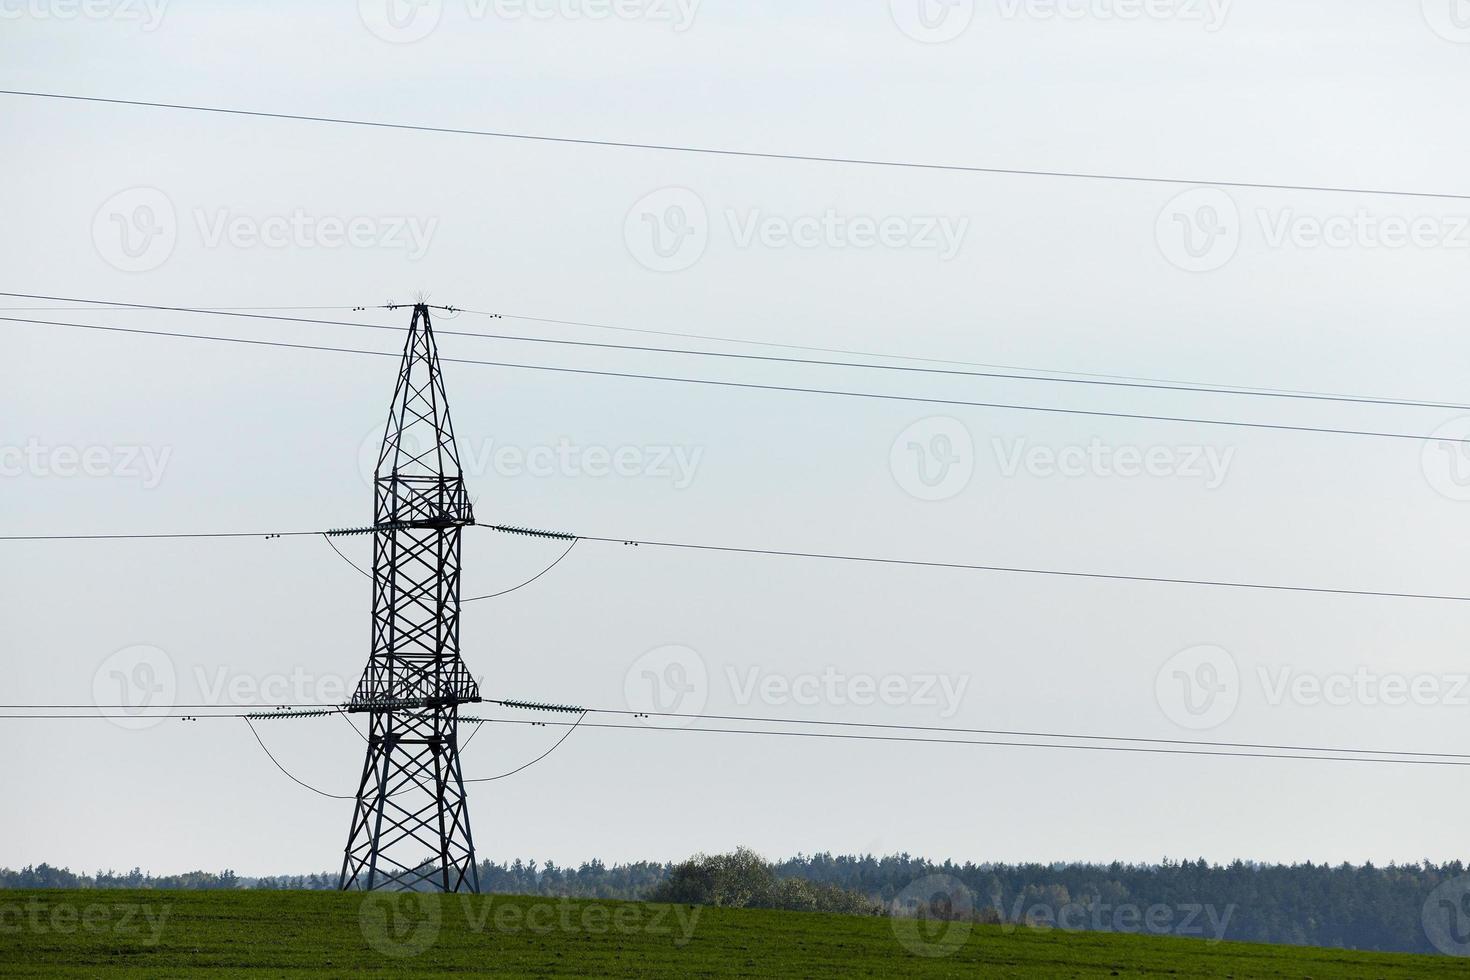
(1354, 907)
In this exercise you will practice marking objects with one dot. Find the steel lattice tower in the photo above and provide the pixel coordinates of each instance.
(410, 825)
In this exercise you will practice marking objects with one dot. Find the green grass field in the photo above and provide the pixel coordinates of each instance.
(297, 934)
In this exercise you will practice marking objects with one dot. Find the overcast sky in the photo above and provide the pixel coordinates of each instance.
(1302, 290)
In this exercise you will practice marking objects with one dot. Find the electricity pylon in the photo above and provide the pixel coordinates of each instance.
(410, 825)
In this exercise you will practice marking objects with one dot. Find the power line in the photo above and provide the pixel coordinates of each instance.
(139, 537)
(996, 744)
(995, 370)
(497, 595)
(746, 154)
(108, 305)
(788, 389)
(1275, 750)
(566, 735)
(360, 570)
(171, 706)
(325, 709)
(781, 553)
(1093, 380)
(298, 782)
(1008, 569)
(494, 595)
(1167, 383)
(1012, 734)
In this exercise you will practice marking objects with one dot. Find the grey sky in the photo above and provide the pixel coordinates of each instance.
(1059, 274)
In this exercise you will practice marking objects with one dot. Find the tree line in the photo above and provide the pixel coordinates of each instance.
(1348, 906)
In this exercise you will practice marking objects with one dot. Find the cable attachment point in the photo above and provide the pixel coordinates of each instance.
(531, 532)
(568, 709)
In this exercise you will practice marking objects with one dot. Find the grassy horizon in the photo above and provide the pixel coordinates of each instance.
(151, 933)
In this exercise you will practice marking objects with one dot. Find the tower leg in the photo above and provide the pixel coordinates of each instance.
(410, 824)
